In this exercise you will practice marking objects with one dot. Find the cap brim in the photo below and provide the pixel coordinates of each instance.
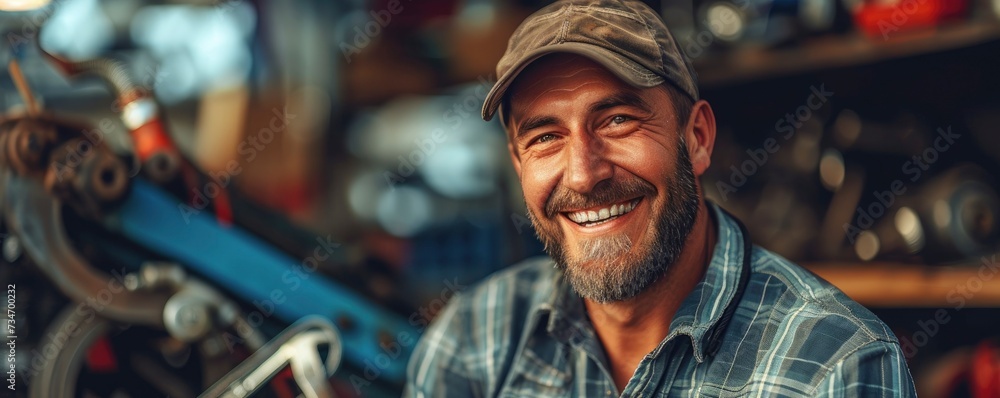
(626, 69)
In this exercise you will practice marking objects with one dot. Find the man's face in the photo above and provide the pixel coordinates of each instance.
(606, 175)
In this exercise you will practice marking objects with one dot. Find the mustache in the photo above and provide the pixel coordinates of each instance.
(605, 192)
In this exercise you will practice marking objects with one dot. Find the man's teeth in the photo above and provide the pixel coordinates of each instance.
(602, 214)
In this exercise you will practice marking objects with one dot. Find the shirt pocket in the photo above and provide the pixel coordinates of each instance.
(534, 377)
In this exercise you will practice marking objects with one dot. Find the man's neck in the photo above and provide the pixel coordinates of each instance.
(630, 329)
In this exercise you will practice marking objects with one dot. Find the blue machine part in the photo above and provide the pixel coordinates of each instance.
(258, 273)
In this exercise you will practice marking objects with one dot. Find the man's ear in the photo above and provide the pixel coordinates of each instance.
(514, 158)
(700, 136)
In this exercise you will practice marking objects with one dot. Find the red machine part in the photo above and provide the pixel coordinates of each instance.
(877, 19)
(984, 373)
(101, 357)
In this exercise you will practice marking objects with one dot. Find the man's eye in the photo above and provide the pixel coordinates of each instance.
(545, 138)
(619, 119)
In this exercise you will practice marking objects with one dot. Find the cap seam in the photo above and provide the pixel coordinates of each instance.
(663, 60)
(619, 13)
(641, 72)
(553, 14)
(684, 64)
(538, 20)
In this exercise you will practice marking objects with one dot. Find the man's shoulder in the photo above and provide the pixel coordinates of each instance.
(804, 333)
(807, 296)
(479, 330)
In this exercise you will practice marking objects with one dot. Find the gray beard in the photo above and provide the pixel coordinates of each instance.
(606, 271)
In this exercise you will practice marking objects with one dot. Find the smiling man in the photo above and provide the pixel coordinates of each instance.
(649, 289)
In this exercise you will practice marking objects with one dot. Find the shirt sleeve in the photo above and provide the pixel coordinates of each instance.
(877, 369)
(438, 366)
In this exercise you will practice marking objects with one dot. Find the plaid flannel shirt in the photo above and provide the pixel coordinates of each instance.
(524, 333)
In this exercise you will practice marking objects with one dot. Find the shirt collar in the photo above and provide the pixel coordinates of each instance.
(568, 321)
(700, 312)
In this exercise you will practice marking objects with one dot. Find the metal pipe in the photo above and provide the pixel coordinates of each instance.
(35, 217)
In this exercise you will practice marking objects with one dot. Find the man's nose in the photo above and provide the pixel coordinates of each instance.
(586, 165)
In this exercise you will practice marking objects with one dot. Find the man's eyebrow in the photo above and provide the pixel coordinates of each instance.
(534, 122)
(623, 98)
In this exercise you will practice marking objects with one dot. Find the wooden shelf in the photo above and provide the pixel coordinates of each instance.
(894, 285)
(750, 64)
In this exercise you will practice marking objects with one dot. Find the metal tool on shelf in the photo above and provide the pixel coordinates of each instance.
(953, 216)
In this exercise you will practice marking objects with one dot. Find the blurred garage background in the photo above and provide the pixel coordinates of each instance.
(342, 140)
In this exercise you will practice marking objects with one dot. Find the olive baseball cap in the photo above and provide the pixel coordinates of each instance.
(625, 36)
